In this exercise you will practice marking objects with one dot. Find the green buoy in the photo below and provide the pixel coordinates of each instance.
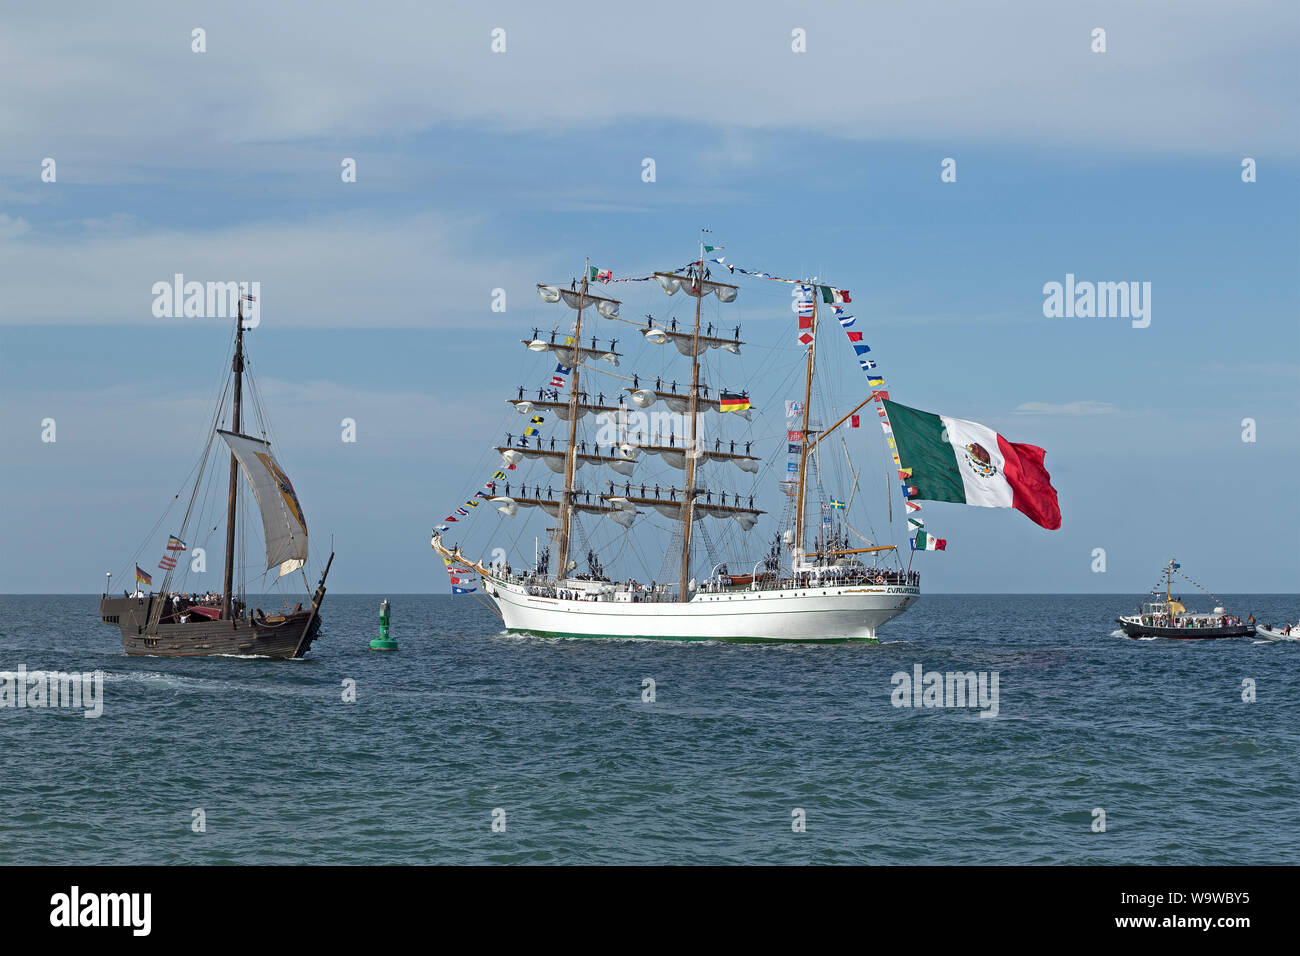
(383, 642)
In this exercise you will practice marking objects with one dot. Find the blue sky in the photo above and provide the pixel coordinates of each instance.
(479, 171)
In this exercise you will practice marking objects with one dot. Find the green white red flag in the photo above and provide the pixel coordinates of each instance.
(927, 542)
(965, 462)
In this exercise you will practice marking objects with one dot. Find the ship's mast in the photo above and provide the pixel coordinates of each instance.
(688, 496)
(807, 415)
(228, 580)
(569, 452)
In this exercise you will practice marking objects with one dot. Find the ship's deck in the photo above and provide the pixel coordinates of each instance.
(584, 589)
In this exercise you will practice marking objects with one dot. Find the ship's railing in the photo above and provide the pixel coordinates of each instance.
(636, 593)
(1189, 621)
(818, 578)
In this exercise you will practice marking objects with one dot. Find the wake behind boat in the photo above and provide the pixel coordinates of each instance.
(1167, 617)
(175, 623)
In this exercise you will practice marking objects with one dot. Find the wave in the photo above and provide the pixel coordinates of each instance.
(209, 685)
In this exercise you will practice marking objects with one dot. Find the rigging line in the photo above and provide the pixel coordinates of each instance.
(502, 520)
(255, 393)
(208, 482)
(135, 557)
(853, 489)
(1217, 599)
(635, 322)
(864, 538)
(857, 476)
(199, 467)
(491, 606)
(189, 508)
(602, 371)
(220, 393)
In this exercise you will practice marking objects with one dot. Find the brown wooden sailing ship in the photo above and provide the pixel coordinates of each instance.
(171, 623)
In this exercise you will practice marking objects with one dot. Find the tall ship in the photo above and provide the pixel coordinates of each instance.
(814, 577)
(1164, 615)
(175, 621)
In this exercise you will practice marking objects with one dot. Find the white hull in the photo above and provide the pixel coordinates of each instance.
(846, 613)
(1276, 634)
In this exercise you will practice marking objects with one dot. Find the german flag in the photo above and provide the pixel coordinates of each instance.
(142, 576)
(727, 402)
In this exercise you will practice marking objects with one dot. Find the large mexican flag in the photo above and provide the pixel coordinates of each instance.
(956, 460)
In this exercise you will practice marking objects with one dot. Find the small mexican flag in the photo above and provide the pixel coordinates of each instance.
(834, 296)
(926, 542)
(713, 248)
(600, 275)
(969, 463)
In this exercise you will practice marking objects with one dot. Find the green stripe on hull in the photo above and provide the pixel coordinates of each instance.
(728, 640)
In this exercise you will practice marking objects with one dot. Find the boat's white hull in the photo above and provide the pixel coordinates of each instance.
(849, 613)
(1275, 634)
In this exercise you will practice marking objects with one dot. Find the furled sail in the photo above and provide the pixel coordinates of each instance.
(606, 307)
(675, 457)
(679, 402)
(671, 507)
(696, 287)
(569, 351)
(621, 462)
(620, 515)
(283, 522)
(561, 409)
(686, 341)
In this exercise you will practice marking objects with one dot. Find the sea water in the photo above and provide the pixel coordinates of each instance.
(470, 746)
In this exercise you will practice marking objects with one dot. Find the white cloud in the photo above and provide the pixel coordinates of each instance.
(112, 88)
(335, 271)
(11, 227)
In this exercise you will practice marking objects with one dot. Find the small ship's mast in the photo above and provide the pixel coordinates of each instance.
(569, 452)
(807, 416)
(688, 488)
(229, 577)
